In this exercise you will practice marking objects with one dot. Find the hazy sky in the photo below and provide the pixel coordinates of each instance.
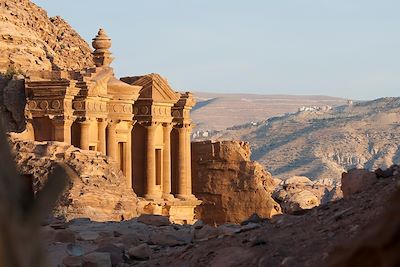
(347, 48)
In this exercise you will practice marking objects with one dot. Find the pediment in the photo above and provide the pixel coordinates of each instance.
(154, 87)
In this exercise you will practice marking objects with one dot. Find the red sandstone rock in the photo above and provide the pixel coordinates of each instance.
(141, 252)
(356, 180)
(230, 185)
(97, 259)
(156, 220)
(298, 193)
(378, 246)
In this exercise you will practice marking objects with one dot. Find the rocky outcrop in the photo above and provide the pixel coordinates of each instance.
(30, 40)
(300, 193)
(357, 180)
(230, 185)
(96, 190)
(379, 245)
(12, 103)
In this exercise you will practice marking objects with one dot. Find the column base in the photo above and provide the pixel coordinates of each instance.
(168, 197)
(153, 197)
(186, 197)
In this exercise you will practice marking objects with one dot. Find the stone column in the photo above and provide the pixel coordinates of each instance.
(182, 162)
(128, 160)
(85, 127)
(166, 177)
(102, 128)
(188, 162)
(151, 189)
(112, 148)
(62, 130)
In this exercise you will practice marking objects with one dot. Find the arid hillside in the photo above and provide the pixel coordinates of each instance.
(323, 144)
(219, 111)
(30, 40)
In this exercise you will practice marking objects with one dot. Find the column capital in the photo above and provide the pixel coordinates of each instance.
(112, 123)
(167, 125)
(130, 126)
(61, 120)
(150, 125)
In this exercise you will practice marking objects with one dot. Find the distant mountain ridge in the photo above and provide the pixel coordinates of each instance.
(323, 144)
(217, 111)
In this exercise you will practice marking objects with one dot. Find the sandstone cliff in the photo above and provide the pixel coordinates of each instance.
(230, 185)
(30, 40)
(96, 190)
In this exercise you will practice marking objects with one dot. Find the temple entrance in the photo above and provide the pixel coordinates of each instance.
(43, 129)
(158, 167)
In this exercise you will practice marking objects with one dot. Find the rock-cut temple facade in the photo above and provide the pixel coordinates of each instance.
(140, 122)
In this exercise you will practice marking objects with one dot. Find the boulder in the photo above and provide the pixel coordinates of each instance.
(300, 193)
(356, 180)
(116, 253)
(156, 220)
(141, 252)
(64, 236)
(205, 233)
(169, 238)
(230, 185)
(300, 200)
(97, 259)
(88, 236)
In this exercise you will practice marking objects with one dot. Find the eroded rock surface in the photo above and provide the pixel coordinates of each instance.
(96, 190)
(230, 185)
(299, 193)
(356, 180)
(12, 103)
(30, 40)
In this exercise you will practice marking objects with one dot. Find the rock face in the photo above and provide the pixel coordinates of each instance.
(298, 193)
(30, 40)
(96, 190)
(12, 103)
(230, 185)
(356, 180)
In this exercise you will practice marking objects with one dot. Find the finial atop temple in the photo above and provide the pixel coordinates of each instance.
(101, 55)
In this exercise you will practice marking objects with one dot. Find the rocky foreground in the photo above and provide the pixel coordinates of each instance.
(317, 237)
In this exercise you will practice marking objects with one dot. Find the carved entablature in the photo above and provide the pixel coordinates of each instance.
(90, 107)
(181, 110)
(120, 110)
(49, 98)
